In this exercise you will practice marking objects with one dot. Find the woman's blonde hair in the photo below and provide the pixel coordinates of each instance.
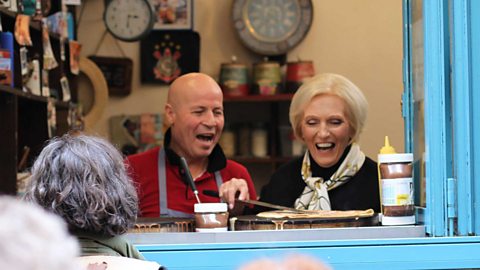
(333, 84)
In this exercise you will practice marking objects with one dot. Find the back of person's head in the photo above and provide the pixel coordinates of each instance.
(83, 179)
(31, 238)
(332, 84)
(291, 262)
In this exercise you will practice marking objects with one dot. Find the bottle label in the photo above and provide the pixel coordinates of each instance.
(398, 191)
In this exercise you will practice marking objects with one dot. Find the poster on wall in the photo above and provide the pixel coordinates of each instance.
(165, 55)
(136, 133)
(173, 14)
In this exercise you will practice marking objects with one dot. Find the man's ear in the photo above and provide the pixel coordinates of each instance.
(169, 115)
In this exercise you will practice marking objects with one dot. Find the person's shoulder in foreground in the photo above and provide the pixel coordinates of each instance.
(32, 238)
(291, 262)
(117, 263)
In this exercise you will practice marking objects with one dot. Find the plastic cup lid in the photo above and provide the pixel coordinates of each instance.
(210, 207)
(395, 158)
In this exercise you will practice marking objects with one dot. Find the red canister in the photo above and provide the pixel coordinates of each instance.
(297, 73)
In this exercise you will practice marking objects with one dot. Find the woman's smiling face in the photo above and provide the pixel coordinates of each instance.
(326, 129)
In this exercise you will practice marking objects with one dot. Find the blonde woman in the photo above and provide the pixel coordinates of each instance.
(327, 114)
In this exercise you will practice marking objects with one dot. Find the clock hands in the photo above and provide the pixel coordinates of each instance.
(130, 16)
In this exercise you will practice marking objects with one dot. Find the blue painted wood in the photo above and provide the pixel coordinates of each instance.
(437, 127)
(475, 98)
(407, 96)
(418, 253)
(462, 113)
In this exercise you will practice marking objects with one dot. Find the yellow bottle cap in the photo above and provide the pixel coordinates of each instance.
(387, 148)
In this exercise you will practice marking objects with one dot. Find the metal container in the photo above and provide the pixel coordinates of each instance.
(267, 78)
(297, 73)
(234, 79)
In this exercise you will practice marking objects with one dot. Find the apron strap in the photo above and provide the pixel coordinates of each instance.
(162, 187)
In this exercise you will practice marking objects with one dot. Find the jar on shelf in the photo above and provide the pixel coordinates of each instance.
(244, 139)
(259, 140)
(227, 141)
(396, 181)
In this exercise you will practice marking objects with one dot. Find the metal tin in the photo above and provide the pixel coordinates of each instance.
(267, 79)
(234, 79)
(297, 73)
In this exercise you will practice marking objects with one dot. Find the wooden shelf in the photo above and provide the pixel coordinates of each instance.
(25, 95)
(258, 98)
(22, 94)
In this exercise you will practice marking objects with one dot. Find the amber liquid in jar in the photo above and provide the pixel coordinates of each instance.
(211, 217)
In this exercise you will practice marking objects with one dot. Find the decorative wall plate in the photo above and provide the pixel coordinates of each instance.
(272, 27)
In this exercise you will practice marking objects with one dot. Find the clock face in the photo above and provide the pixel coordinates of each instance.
(272, 27)
(128, 20)
(272, 21)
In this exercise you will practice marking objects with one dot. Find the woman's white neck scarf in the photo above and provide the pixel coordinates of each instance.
(315, 194)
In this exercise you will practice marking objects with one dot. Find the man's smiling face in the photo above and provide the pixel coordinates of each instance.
(198, 120)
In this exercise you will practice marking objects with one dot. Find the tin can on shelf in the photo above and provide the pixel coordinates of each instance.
(297, 73)
(234, 79)
(267, 78)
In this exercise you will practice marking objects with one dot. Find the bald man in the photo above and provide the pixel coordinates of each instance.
(194, 112)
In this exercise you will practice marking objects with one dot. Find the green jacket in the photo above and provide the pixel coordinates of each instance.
(104, 245)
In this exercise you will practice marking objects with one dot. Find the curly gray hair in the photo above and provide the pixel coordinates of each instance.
(83, 179)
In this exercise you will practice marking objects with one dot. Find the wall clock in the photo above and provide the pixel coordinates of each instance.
(272, 27)
(128, 20)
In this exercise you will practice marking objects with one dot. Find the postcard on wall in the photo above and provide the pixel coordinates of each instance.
(66, 96)
(72, 2)
(5, 67)
(172, 14)
(137, 133)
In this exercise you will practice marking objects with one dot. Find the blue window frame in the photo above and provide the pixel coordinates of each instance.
(440, 102)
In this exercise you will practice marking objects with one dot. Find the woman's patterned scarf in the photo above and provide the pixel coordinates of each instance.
(315, 194)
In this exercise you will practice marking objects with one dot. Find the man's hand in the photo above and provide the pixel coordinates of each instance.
(229, 190)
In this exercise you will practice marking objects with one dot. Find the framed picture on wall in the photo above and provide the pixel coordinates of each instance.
(165, 55)
(173, 14)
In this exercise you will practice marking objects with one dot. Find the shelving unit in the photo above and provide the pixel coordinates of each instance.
(248, 110)
(24, 116)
